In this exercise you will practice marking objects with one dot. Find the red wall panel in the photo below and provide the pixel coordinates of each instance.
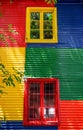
(15, 14)
(71, 115)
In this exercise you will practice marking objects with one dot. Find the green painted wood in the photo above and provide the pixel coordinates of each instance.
(65, 64)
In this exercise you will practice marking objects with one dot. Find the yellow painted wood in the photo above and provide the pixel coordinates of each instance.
(55, 28)
(11, 102)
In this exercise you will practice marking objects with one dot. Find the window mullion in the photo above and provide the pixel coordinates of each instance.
(41, 25)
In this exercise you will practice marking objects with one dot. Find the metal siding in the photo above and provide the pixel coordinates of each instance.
(18, 125)
(69, 1)
(11, 102)
(65, 64)
(70, 27)
(15, 13)
(71, 115)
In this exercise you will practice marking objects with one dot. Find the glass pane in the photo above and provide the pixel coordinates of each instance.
(47, 16)
(34, 94)
(48, 34)
(49, 112)
(34, 100)
(35, 16)
(34, 24)
(34, 88)
(49, 100)
(49, 88)
(47, 25)
(35, 34)
(34, 113)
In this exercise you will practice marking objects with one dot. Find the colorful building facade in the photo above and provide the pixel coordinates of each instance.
(60, 59)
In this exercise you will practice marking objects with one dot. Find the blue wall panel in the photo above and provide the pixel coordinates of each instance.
(17, 125)
(70, 27)
(70, 1)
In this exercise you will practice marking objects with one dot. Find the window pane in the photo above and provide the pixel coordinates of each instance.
(47, 16)
(34, 113)
(48, 34)
(47, 25)
(34, 24)
(49, 112)
(35, 34)
(49, 88)
(49, 100)
(34, 100)
(34, 88)
(35, 16)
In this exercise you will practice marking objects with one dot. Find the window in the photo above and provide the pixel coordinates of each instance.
(41, 101)
(41, 25)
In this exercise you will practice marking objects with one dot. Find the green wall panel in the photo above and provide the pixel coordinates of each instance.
(65, 64)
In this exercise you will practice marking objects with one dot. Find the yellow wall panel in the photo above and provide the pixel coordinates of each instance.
(11, 102)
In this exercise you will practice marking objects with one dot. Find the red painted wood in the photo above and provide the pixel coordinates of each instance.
(71, 115)
(15, 14)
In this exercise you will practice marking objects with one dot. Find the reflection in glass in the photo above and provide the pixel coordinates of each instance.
(49, 112)
(35, 34)
(34, 88)
(47, 16)
(47, 25)
(34, 100)
(49, 100)
(35, 16)
(34, 24)
(34, 94)
(48, 34)
(49, 88)
(34, 113)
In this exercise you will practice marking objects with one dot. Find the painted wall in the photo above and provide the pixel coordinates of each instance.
(11, 102)
(63, 60)
(70, 1)
(12, 54)
(15, 14)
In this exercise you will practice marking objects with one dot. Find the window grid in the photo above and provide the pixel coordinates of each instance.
(46, 36)
(42, 103)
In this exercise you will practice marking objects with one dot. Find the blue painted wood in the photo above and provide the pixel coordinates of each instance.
(17, 125)
(70, 27)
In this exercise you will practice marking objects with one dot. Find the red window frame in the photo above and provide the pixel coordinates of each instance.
(42, 121)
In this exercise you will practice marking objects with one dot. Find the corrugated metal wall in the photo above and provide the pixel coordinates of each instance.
(63, 61)
(71, 115)
(11, 102)
(45, 60)
(18, 125)
(70, 1)
(65, 64)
